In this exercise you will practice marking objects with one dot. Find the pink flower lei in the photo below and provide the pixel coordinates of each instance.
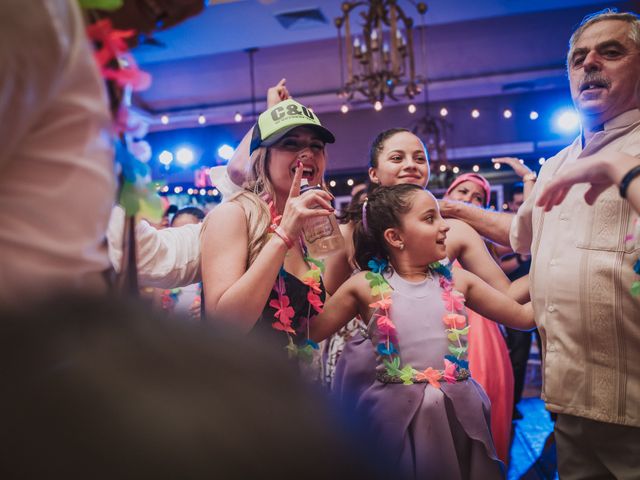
(284, 312)
(455, 364)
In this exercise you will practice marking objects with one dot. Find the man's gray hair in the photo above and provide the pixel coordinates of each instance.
(606, 14)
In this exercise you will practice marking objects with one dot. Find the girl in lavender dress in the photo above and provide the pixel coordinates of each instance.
(422, 406)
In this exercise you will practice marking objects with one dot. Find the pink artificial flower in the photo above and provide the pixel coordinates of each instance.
(313, 284)
(111, 41)
(275, 218)
(383, 303)
(431, 375)
(450, 371)
(130, 76)
(452, 301)
(385, 325)
(284, 311)
(453, 320)
(315, 301)
(446, 284)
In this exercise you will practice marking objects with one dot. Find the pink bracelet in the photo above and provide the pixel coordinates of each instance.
(285, 238)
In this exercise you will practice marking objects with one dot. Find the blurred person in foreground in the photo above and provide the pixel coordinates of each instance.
(101, 389)
(57, 182)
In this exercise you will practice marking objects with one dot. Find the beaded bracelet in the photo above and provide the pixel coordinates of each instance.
(626, 180)
(285, 238)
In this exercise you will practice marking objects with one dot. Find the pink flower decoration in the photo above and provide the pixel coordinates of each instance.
(129, 76)
(385, 325)
(275, 218)
(431, 375)
(313, 285)
(112, 41)
(315, 301)
(445, 284)
(450, 371)
(453, 302)
(284, 312)
(284, 327)
(383, 304)
(453, 320)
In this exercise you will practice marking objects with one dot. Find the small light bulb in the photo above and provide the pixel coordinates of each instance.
(350, 182)
(377, 106)
(455, 170)
(542, 160)
(507, 113)
(533, 115)
(411, 108)
(444, 112)
(497, 166)
(332, 183)
(476, 168)
(202, 119)
(237, 117)
(443, 168)
(164, 119)
(344, 108)
(475, 113)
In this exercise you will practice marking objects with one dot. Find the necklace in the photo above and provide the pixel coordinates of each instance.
(284, 312)
(456, 367)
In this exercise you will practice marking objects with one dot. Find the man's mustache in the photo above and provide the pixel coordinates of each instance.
(595, 78)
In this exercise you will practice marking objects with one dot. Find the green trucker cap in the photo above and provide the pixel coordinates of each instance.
(276, 122)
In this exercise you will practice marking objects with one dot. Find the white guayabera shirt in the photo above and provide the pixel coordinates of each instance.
(581, 275)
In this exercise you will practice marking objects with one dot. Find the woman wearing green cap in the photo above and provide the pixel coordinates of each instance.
(255, 271)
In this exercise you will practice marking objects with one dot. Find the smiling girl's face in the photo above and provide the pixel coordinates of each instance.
(402, 159)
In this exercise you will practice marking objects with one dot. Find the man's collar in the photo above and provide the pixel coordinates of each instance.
(623, 120)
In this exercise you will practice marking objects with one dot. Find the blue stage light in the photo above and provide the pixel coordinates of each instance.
(165, 157)
(225, 152)
(184, 156)
(566, 121)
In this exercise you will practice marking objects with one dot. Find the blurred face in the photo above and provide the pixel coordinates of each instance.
(423, 230)
(468, 192)
(516, 202)
(402, 160)
(184, 219)
(604, 70)
(301, 144)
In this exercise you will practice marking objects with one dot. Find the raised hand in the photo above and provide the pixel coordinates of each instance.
(595, 170)
(312, 203)
(518, 166)
(277, 93)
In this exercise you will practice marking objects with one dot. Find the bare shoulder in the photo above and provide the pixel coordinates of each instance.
(459, 228)
(226, 219)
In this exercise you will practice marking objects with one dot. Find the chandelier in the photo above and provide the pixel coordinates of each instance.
(381, 58)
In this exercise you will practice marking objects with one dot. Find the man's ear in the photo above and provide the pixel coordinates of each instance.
(394, 238)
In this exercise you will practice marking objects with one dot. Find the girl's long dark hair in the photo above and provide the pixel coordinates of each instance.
(384, 209)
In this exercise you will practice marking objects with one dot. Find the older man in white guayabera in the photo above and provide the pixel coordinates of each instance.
(582, 262)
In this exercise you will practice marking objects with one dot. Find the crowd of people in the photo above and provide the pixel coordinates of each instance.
(390, 353)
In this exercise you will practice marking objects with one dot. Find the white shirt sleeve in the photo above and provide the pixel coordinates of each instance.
(166, 258)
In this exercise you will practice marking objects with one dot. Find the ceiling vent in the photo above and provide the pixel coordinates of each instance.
(302, 19)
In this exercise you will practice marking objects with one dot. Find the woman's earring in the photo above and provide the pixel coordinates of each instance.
(402, 246)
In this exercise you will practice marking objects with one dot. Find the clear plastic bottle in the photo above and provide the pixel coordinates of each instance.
(321, 234)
